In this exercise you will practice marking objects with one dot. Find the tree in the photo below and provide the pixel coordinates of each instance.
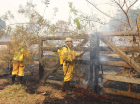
(29, 32)
(117, 25)
(126, 10)
(2, 27)
(120, 5)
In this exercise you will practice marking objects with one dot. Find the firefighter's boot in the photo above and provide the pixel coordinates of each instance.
(63, 89)
(68, 92)
(13, 79)
(20, 79)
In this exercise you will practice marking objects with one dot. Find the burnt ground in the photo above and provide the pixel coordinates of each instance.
(34, 93)
(51, 94)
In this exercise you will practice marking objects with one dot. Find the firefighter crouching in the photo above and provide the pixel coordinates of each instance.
(68, 55)
(20, 53)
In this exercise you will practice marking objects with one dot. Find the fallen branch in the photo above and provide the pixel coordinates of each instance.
(49, 73)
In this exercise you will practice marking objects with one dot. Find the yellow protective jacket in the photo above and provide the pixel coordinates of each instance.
(20, 52)
(68, 64)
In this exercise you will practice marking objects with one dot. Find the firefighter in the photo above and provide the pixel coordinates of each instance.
(69, 55)
(20, 53)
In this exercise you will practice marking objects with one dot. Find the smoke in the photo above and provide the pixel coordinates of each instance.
(102, 58)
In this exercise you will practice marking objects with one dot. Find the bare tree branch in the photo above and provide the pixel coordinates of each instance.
(123, 3)
(125, 14)
(131, 5)
(106, 14)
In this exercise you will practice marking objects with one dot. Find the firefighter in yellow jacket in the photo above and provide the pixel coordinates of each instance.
(68, 55)
(20, 52)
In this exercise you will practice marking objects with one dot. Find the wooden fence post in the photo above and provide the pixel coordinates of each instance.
(10, 63)
(41, 69)
(96, 61)
(11, 67)
(131, 72)
(91, 60)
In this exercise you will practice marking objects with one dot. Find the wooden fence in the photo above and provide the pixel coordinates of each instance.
(95, 64)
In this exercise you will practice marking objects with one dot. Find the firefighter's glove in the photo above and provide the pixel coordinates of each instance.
(82, 52)
(73, 58)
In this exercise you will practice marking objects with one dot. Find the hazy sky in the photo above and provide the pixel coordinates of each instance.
(62, 5)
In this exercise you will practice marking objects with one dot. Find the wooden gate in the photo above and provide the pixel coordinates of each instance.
(94, 62)
(129, 64)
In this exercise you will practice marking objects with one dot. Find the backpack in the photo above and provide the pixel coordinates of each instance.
(59, 53)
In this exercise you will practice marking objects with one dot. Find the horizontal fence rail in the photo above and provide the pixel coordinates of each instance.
(101, 48)
(122, 79)
(120, 33)
(64, 37)
(122, 93)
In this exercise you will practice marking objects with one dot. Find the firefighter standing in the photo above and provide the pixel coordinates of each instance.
(69, 55)
(20, 53)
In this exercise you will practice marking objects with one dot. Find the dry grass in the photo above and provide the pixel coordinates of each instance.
(16, 94)
(22, 94)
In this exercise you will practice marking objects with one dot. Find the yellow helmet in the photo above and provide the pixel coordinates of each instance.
(68, 39)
